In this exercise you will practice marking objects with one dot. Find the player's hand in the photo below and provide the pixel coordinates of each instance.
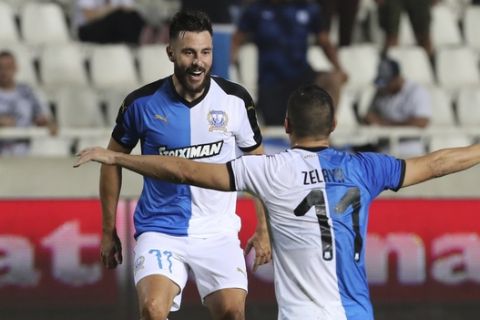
(97, 154)
(263, 250)
(111, 250)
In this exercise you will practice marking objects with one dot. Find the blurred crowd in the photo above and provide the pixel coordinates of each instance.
(383, 61)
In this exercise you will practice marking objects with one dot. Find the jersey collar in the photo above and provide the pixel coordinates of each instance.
(194, 102)
(312, 149)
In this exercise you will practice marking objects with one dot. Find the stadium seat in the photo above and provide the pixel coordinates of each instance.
(442, 109)
(153, 63)
(360, 63)
(365, 99)
(449, 141)
(247, 68)
(445, 30)
(112, 66)
(8, 28)
(414, 63)
(51, 146)
(25, 66)
(457, 68)
(86, 141)
(471, 24)
(43, 23)
(113, 100)
(78, 107)
(317, 59)
(62, 65)
(468, 107)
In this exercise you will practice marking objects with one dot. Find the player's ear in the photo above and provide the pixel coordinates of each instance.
(170, 53)
(287, 126)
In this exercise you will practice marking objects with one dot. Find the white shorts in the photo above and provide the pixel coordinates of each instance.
(216, 263)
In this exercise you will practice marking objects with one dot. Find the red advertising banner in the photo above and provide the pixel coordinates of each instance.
(417, 251)
(49, 254)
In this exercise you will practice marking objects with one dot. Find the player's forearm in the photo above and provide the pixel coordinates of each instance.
(447, 161)
(440, 163)
(177, 170)
(110, 184)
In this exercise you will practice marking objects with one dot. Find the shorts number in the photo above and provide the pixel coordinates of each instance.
(316, 198)
(165, 254)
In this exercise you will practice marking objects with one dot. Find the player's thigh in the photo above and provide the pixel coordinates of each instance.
(420, 16)
(218, 263)
(156, 294)
(160, 269)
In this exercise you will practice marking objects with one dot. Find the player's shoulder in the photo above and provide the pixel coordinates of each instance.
(144, 91)
(232, 88)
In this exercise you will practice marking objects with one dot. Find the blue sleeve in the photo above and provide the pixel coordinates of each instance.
(381, 172)
(128, 124)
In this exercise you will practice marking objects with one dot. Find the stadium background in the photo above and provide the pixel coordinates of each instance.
(424, 242)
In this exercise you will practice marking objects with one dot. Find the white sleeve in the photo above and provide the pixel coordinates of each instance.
(250, 174)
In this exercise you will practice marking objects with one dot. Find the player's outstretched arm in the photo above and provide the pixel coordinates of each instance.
(172, 169)
(440, 163)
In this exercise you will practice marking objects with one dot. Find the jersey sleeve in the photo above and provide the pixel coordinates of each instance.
(127, 128)
(248, 135)
(250, 173)
(381, 172)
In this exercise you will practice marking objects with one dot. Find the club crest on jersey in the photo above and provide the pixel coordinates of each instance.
(218, 120)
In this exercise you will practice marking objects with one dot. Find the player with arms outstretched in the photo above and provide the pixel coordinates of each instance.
(317, 199)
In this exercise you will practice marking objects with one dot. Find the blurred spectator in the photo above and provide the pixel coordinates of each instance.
(280, 29)
(419, 13)
(109, 21)
(19, 107)
(399, 102)
(346, 11)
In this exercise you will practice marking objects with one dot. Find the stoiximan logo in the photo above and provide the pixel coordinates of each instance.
(194, 152)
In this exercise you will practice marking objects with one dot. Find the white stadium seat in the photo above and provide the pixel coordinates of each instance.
(468, 107)
(62, 65)
(78, 107)
(317, 59)
(471, 24)
(43, 23)
(444, 29)
(247, 65)
(112, 66)
(457, 67)
(450, 141)
(8, 28)
(153, 63)
(360, 63)
(414, 63)
(442, 110)
(406, 37)
(51, 146)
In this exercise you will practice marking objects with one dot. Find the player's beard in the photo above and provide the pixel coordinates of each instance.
(183, 74)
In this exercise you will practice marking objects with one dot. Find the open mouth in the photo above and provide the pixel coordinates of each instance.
(195, 74)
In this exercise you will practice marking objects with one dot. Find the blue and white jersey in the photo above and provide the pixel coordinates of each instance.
(318, 202)
(207, 129)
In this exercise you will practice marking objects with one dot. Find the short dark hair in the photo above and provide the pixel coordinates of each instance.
(310, 112)
(6, 53)
(196, 21)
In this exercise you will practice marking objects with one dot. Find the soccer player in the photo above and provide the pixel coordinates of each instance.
(317, 199)
(180, 228)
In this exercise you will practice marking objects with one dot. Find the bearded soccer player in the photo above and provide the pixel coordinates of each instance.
(181, 228)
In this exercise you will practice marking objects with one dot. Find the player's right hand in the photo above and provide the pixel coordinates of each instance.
(111, 250)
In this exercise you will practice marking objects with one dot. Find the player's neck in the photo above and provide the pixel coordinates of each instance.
(184, 92)
(309, 142)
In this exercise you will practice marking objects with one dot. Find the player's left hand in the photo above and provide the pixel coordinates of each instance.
(263, 250)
